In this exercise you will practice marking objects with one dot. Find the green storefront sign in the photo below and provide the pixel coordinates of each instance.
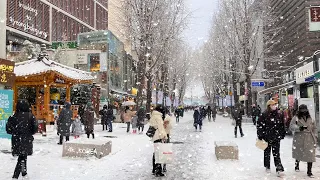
(6, 108)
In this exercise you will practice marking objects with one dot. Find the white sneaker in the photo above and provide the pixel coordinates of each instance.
(280, 173)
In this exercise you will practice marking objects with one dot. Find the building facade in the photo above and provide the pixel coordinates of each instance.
(47, 21)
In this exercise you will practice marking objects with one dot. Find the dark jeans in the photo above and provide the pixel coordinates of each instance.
(177, 118)
(128, 126)
(156, 168)
(21, 167)
(254, 120)
(275, 147)
(196, 126)
(236, 129)
(142, 128)
(109, 123)
(209, 117)
(104, 127)
(61, 139)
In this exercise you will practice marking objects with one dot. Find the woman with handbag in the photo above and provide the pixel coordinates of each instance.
(22, 126)
(270, 128)
(160, 135)
(304, 138)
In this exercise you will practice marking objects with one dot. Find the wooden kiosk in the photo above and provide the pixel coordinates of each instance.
(42, 74)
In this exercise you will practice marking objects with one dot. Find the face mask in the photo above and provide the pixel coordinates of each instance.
(274, 107)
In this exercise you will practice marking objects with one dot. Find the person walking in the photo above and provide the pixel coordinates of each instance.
(109, 118)
(270, 128)
(127, 117)
(160, 136)
(178, 114)
(103, 114)
(214, 114)
(22, 126)
(237, 116)
(255, 114)
(76, 127)
(304, 138)
(167, 126)
(197, 119)
(209, 112)
(64, 122)
(141, 119)
(89, 121)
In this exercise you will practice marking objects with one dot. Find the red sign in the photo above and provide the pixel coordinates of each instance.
(315, 14)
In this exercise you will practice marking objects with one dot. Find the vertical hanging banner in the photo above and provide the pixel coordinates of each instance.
(314, 18)
(6, 108)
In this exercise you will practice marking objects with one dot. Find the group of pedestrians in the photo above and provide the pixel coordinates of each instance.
(271, 129)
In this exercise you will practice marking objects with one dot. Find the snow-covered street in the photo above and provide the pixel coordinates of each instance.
(131, 156)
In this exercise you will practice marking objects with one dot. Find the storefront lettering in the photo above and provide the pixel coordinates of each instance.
(58, 80)
(3, 78)
(7, 68)
(28, 27)
(27, 7)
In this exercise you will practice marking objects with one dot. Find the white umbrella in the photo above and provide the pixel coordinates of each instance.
(129, 103)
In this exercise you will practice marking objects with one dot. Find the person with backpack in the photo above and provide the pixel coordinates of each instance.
(22, 126)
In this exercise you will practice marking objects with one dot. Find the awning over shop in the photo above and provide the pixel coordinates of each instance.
(275, 88)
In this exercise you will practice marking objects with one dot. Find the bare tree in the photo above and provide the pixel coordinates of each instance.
(152, 25)
(242, 33)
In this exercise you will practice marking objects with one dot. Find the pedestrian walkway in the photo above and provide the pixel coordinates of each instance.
(131, 156)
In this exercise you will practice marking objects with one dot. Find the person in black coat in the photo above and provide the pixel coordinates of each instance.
(103, 114)
(197, 119)
(209, 112)
(271, 129)
(109, 117)
(22, 126)
(64, 122)
(237, 116)
(141, 118)
(214, 113)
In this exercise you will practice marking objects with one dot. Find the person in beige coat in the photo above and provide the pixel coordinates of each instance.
(127, 117)
(304, 138)
(160, 135)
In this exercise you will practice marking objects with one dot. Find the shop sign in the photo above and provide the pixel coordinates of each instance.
(303, 72)
(314, 18)
(7, 76)
(59, 80)
(6, 108)
(26, 17)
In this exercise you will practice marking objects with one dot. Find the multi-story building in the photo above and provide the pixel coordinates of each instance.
(47, 21)
(295, 41)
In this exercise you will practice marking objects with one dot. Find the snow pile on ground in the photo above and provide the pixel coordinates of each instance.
(132, 153)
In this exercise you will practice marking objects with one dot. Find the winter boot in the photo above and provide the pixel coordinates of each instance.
(296, 168)
(310, 170)
(280, 173)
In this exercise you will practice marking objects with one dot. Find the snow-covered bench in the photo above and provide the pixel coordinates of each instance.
(87, 147)
(226, 150)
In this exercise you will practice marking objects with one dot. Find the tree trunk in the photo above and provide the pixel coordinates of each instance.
(249, 101)
(149, 92)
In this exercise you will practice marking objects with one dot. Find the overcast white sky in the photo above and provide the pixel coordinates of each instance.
(197, 33)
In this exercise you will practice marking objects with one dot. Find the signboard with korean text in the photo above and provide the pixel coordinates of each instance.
(304, 72)
(314, 18)
(6, 108)
(7, 76)
(31, 17)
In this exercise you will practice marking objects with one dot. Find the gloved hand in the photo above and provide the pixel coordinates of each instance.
(302, 128)
(58, 134)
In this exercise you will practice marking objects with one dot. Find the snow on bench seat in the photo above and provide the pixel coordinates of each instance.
(226, 150)
(87, 147)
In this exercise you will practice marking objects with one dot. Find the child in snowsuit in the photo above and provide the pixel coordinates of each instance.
(76, 127)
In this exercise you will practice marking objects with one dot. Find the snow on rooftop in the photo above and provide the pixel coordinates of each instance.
(35, 66)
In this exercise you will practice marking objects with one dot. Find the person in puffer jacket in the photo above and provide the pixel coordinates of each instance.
(160, 136)
(76, 127)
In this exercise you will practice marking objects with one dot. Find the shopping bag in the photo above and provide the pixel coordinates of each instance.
(233, 123)
(261, 144)
(163, 153)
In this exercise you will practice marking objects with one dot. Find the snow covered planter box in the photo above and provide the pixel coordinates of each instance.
(226, 150)
(88, 147)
